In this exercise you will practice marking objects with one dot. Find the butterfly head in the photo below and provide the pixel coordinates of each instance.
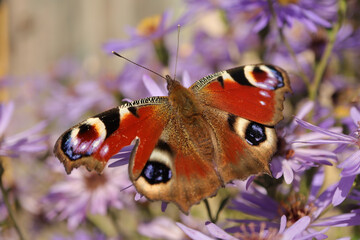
(172, 84)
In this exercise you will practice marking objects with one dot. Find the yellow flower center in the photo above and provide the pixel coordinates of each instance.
(287, 2)
(148, 25)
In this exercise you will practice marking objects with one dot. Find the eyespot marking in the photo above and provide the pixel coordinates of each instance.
(264, 76)
(156, 172)
(67, 148)
(255, 134)
(83, 140)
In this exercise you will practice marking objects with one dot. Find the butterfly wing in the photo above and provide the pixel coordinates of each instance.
(92, 142)
(245, 147)
(253, 92)
(180, 169)
(242, 106)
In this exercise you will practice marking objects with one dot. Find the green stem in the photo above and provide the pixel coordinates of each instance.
(320, 68)
(288, 46)
(114, 221)
(8, 205)
(161, 51)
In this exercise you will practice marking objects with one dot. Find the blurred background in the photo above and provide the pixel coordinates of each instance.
(35, 34)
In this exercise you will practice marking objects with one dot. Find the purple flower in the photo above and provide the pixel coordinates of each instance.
(130, 83)
(149, 30)
(250, 232)
(311, 13)
(161, 228)
(82, 192)
(70, 103)
(28, 141)
(347, 38)
(201, 5)
(292, 158)
(294, 206)
(220, 51)
(351, 165)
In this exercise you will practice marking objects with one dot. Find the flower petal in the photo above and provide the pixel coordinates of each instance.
(152, 87)
(355, 115)
(192, 233)
(351, 162)
(295, 229)
(217, 232)
(343, 189)
(316, 184)
(6, 111)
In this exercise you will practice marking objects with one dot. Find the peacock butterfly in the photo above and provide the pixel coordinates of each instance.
(194, 141)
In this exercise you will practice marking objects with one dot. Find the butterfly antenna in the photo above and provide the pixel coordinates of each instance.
(177, 50)
(121, 56)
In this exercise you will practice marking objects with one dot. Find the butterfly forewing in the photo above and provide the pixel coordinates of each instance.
(253, 92)
(92, 142)
(242, 105)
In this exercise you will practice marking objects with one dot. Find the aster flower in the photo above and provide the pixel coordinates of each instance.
(201, 5)
(351, 165)
(129, 82)
(294, 206)
(291, 158)
(28, 141)
(149, 30)
(250, 232)
(311, 13)
(82, 192)
(72, 90)
(347, 38)
(160, 228)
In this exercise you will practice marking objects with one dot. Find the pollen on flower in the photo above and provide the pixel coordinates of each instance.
(296, 207)
(289, 153)
(250, 232)
(148, 25)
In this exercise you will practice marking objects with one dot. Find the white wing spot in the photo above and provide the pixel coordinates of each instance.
(264, 93)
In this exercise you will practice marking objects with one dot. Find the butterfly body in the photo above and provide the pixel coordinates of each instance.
(192, 142)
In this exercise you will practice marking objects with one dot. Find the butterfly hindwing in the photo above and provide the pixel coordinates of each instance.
(92, 142)
(180, 169)
(253, 92)
(245, 147)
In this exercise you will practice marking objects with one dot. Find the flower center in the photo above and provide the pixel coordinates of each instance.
(148, 25)
(250, 232)
(283, 149)
(296, 207)
(93, 181)
(287, 2)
